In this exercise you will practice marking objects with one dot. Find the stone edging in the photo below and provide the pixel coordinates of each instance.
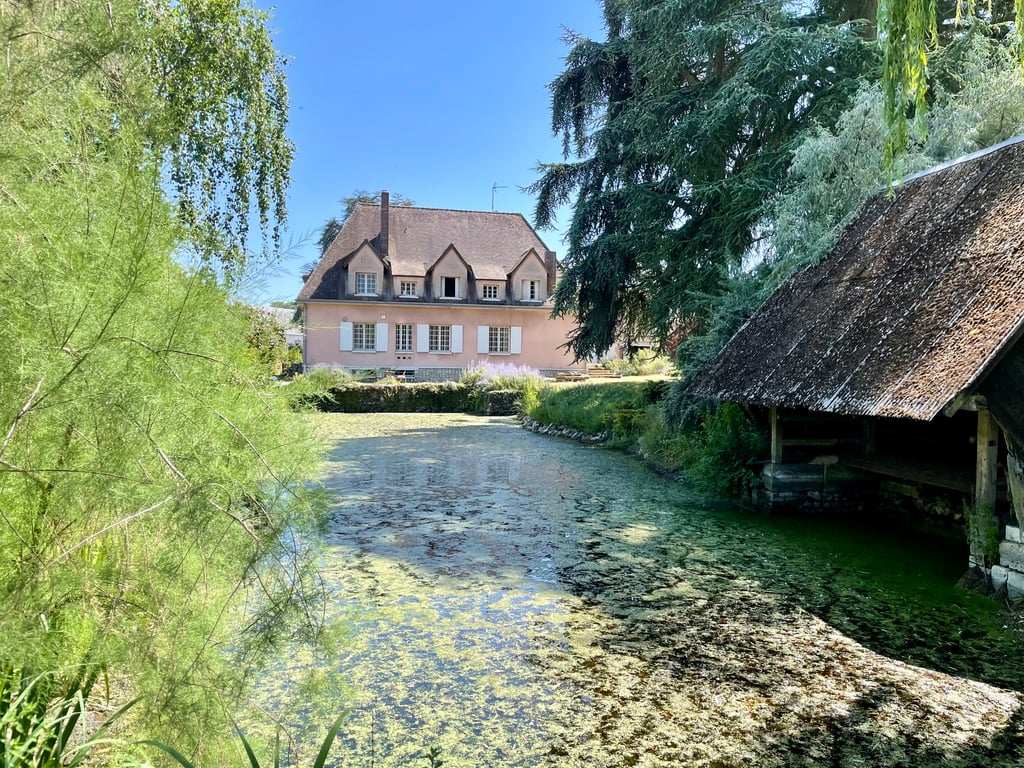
(568, 432)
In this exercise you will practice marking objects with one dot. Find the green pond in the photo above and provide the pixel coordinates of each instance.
(520, 600)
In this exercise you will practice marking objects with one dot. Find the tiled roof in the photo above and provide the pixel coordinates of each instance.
(915, 304)
(491, 243)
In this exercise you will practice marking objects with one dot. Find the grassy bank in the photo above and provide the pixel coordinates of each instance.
(713, 447)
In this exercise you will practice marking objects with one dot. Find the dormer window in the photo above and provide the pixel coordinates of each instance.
(531, 290)
(490, 292)
(449, 287)
(366, 284)
(407, 288)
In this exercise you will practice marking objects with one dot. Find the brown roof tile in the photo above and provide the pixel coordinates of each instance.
(491, 243)
(920, 295)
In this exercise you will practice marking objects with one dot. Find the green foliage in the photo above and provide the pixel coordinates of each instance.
(265, 338)
(676, 162)
(218, 117)
(594, 408)
(154, 516)
(716, 449)
(424, 397)
(319, 762)
(39, 716)
(912, 34)
(641, 363)
(197, 84)
(488, 377)
(719, 455)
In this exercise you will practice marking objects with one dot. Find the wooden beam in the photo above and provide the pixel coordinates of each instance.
(870, 434)
(987, 465)
(982, 518)
(776, 424)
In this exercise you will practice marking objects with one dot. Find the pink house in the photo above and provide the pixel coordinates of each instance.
(428, 292)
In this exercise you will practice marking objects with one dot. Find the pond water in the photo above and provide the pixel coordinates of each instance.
(521, 600)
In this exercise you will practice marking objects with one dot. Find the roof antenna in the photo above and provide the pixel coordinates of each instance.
(494, 188)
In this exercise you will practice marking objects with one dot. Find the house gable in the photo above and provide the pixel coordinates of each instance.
(529, 278)
(364, 272)
(449, 277)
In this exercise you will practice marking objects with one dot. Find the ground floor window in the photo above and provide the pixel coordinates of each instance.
(498, 340)
(403, 337)
(440, 338)
(364, 337)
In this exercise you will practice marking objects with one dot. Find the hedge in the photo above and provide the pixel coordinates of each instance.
(426, 397)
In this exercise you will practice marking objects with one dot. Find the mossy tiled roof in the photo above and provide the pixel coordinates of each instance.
(918, 300)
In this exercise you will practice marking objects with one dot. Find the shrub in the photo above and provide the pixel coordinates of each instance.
(719, 454)
(489, 376)
(642, 363)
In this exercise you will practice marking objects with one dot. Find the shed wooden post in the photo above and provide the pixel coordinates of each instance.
(988, 456)
(870, 434)
(984, 485)
(776, 426)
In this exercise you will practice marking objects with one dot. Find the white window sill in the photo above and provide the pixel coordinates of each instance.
(500, 354)
(439, 351)
(449, 298)
(366, 294)
(532, 301)
(494, 299)
(364, 351)
(408, 296)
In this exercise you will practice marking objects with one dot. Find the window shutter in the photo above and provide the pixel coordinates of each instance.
(382, 337)
(422, 338)
(346, 337)
(456, 339)
(482, 339)
(515, 340)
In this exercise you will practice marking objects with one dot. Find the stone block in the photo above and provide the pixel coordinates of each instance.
(1013, 534)
(1011, 554)
(1015, 585)
(1000, 574)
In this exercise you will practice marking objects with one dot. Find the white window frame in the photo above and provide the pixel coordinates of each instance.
(489, 288)
(531, 290)
(440, 339)
(411, 285)
(365, 278)
(444, 279)
(514, 335)
(364, 337)
(499, 340)
(403, 337)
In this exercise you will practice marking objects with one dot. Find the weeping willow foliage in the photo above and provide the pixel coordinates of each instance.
(910, 32)
(198, 81)
(152, 497)
(677, 129)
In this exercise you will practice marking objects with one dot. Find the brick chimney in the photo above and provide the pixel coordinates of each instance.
(551, 263)
(384, 215)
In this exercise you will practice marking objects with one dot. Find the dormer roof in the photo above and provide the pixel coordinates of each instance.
(491, 244)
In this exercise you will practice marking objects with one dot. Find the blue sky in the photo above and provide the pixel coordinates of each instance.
(437, 101)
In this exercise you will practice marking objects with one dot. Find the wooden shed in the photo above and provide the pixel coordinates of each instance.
(897, 357)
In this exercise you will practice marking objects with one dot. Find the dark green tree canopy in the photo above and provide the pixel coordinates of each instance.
(683, 123)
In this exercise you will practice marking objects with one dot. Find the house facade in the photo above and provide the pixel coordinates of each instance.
(428, 292)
